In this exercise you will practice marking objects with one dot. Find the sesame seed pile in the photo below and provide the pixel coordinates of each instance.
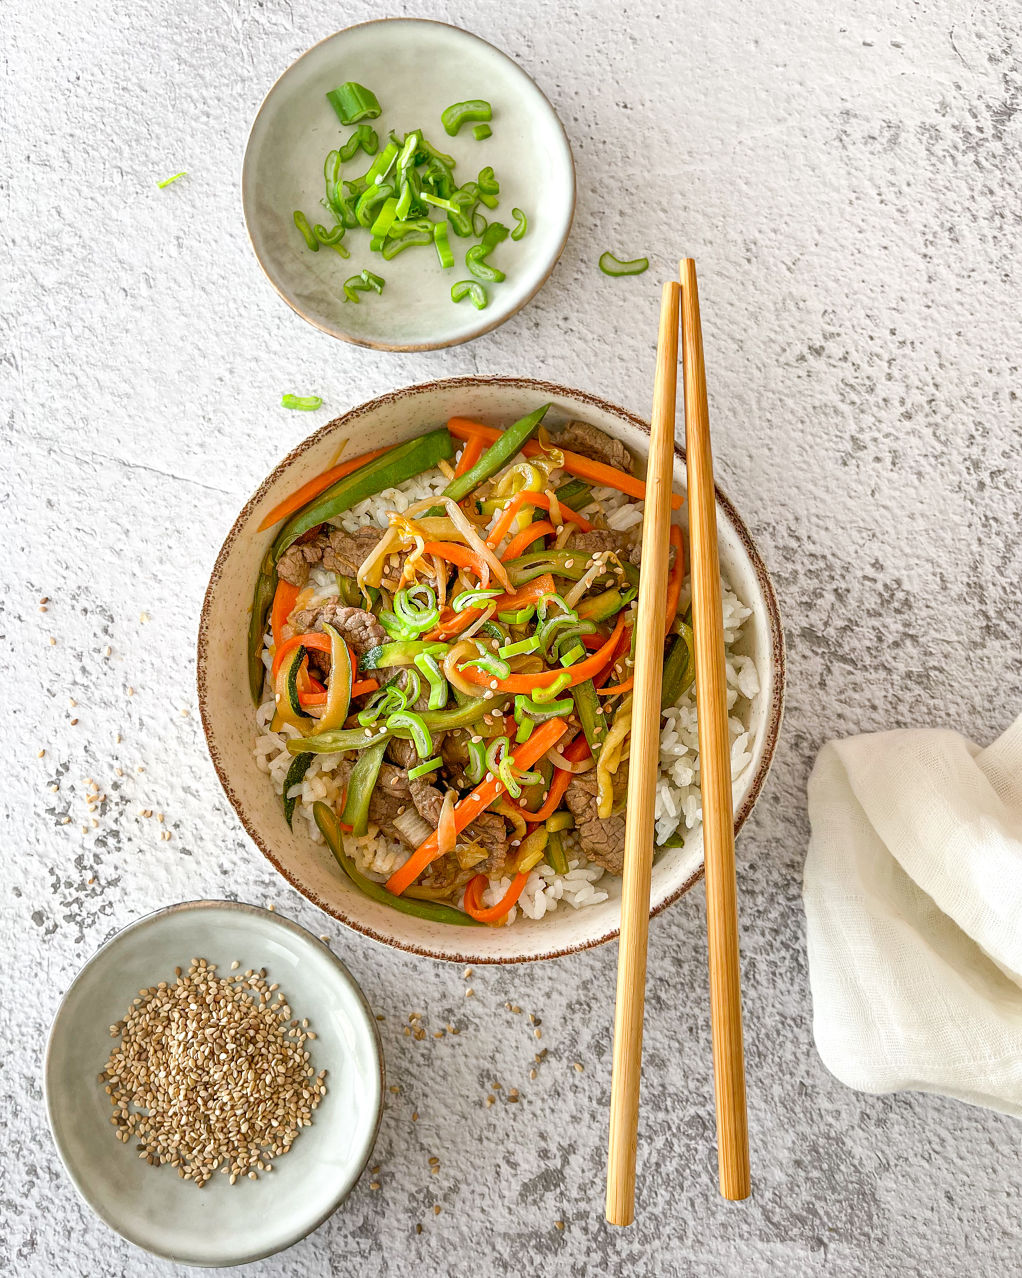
(211, 1073)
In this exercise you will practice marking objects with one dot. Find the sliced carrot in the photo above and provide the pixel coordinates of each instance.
(574, 463)
(363, 686)
(470, 454)
(477, 801)
(315, 486)
(493, 914)
(312, 639)
(579, 672)
(521, 542)
(283, 605)
(503, 525)
(676, 577)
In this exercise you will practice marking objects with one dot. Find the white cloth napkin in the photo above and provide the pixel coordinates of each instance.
(913, 897)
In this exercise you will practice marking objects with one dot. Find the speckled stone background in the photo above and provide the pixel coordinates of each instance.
(848, 177)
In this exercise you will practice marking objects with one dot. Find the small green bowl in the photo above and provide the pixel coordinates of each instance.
(153, 1207)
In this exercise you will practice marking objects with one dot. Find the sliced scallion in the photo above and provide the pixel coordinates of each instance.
(302, 222)
(459, 113)
(475, 293)
(364, 137)
(305, 403)
(167, 181)
(353, 102)
(611, 265)
(481, 132)
(421, 769)
(522, 224)
(442, 245)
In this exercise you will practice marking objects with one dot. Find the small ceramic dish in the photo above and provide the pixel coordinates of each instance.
(229, 720)
(220, 1224)
(416, 68)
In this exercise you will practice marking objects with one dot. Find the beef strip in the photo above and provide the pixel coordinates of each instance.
(293, 565)
(603, 841)
(358, 627)
(488, 829)
(389, 799)
(345, 552)
(580, 437)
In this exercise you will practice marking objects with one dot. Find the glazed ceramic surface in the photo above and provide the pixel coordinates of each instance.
(416, 68)
(221, 1224)
(227, 710)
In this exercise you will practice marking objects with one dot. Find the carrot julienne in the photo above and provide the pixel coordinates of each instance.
(503, 525)
(574, 463)
(521, 542)
(470, 454)
(301, 496)
(579, 672)
(477, 801)
(452, 623)
(283, 604)
(676, 577)
(493, 914)
(313, 639)
(560, 781)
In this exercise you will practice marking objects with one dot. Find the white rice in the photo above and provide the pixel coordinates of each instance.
(677, 793)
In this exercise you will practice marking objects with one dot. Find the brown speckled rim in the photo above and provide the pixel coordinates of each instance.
(545, 390)
(482, 327)
(272, 919)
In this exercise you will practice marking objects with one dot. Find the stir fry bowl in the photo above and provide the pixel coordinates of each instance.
(228, 714)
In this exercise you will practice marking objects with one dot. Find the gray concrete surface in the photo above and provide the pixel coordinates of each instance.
(848, 178)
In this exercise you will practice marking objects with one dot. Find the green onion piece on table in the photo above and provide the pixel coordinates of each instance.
(459, 113)
(302, 222)
(481, 132)
(167, 181)
(364, 137)
(385, 218)
(353, 102)
(522, 224)
(304, 403)
(475, 293)
(610, 265)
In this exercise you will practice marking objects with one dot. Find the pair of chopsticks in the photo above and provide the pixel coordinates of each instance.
(715, 767)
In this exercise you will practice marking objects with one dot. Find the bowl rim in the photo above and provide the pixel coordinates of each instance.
(93, 1201)
(547, 389)
(483, 327)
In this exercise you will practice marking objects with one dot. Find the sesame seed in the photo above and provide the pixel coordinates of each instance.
(437, 1209)
(52, 641)
(40, 754)
(538, 1033)
(415, 1115)
(131, 692)
(469, 992)
(72, 702)
(73, 722)
(558, 1224)
(45, 599)
(579, 1067)
(107, 651)
(374, 1184)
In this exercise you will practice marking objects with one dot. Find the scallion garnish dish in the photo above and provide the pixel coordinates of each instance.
(408, 197)
(440, 657)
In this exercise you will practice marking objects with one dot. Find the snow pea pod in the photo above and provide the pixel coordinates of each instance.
(499, 453)
(265, 588)
(434, 911)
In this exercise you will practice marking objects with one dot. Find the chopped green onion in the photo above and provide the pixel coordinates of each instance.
(459, 113)
(481, 132)
(385, 219)
(487, 182)
(442, 245)
(306, 403)
(479, 224)
(537, 710)
(572, 655)
(439, 203)
(473, 599)
(366, 137)
(481, 269)
(476, 761)
(412, 240)
(413, 687)
(167, 181)
(611, 265)
(489, 664)
(420, 734)
(437, 683)
(415, 616)
(522, 224)
(353, 102)
(421, 769)
(520, 648)
(525, 730)
(302, 222)
(475, 293)
(368, 201)
(331, 237)
(519, 617)
(553, 689)
(375, 282)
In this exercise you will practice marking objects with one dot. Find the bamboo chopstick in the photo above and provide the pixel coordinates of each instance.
(714, 762)
(642, 764)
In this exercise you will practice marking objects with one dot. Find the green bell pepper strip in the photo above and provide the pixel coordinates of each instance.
(354, 285)
(611, 265)
(554, 852)
(520, 616)
(331, 237)
(304, 403)
(394, 467)
(375, 282)
(407, 153)
(443, 246)
(401, 653)
(522, 224)
(679, 666)
(459, 113)
(347, 589)
(262, 599)
(297, 770)
(431, 765)
(433, 911)
(402, 227)
(366, 137)
(554, 688)
(338, 741)
(576, 494)
(609, 604)
(439, 203)
(496, 457)
(384, 702)
(302, 222)
(360, 788)
(434, 677)
(488, 182)
(413, 239)
(569, 637)
(353, 102)
(431, 151)
(404, 200)
(421, 736)
(590, 714)
(494, 631)
(381, 166)
(548, 629)
(526, 707)
(475, 293)
(525, 730)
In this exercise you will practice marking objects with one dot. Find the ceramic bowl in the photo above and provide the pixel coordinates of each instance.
(416, 68)
(221, 1224)
(227, 711)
